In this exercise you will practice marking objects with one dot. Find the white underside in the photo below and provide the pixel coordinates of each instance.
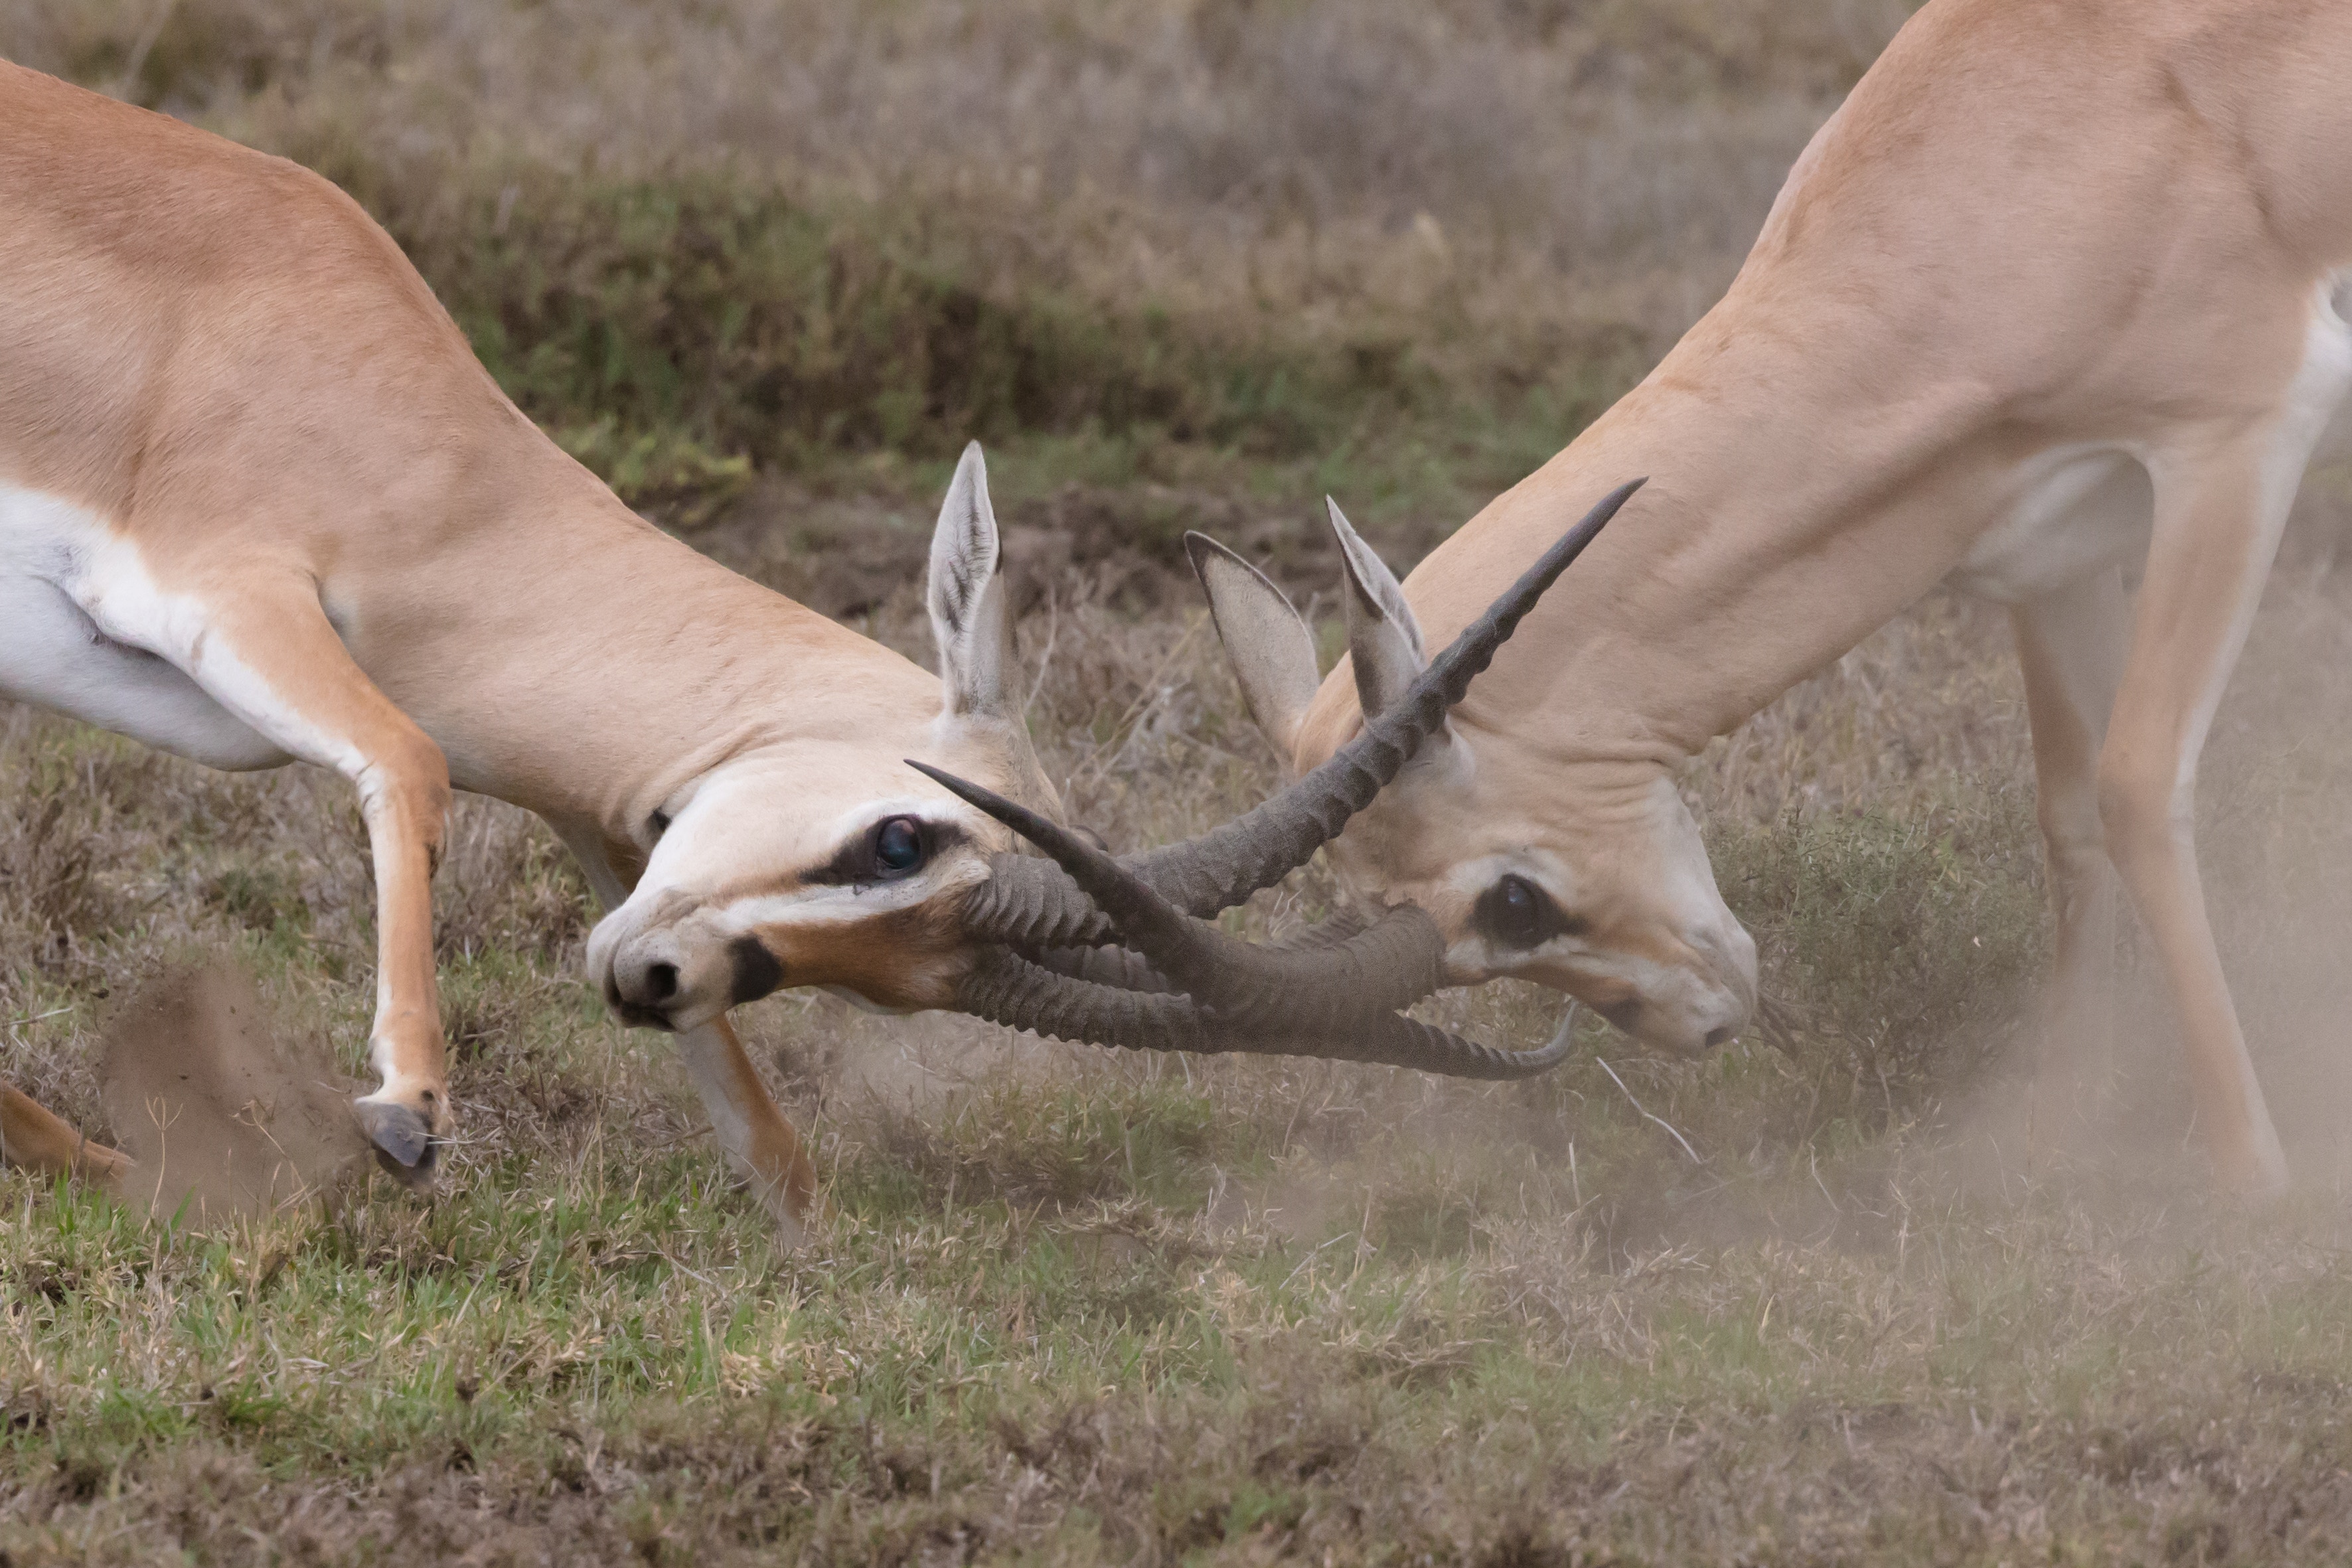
(55, 651)
(2074, 510)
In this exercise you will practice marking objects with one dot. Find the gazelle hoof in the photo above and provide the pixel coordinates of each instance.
(405, 1146)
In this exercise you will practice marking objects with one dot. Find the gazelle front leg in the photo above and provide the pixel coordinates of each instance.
(2071, 645)
(265, 650)
(761, 1145)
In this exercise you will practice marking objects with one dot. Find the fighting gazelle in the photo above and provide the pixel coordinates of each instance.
(258, 502)
(2050, 298)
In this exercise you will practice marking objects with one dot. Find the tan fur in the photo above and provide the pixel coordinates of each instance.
(36, 1138)
(2035, 226)
(218, 356)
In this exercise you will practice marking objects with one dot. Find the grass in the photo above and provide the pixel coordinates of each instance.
(1178, 245)
(1184, 266)
(1070, 1306)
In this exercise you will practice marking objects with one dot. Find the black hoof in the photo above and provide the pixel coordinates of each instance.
(403, 1144)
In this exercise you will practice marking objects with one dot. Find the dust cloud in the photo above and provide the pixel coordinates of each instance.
(222, 1116)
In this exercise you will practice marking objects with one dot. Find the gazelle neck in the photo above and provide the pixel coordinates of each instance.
(1790, 511)
(605, 664)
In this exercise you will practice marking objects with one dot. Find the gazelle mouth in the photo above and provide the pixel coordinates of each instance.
(1120, 951)
(636, 1016)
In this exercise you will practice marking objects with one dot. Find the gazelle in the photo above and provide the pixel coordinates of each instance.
(2049, 296)
(258, 502)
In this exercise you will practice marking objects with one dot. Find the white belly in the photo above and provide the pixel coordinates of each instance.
(2074, 511)
(53, 653)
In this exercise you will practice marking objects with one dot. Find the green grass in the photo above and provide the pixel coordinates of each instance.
(605, 1356)
(1070, 1305)
(1074, 1306)
(677, 334)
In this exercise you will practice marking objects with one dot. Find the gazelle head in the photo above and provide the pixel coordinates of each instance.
(819, 858)
(1591, 880)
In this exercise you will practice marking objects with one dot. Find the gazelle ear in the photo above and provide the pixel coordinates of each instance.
(1272, 652)
(1383, 639)
(967, 598)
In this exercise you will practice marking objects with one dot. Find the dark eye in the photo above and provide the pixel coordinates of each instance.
(899, 845)
(659, 823)
(1515, 912)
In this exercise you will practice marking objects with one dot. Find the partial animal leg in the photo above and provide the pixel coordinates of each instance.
(269, 654)
(2218, 511)
(34, 1138)
(761, 1145)
(2071, 645)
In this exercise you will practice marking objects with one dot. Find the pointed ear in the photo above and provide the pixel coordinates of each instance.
(1272, 652)
(1383, 639)
(967, 598)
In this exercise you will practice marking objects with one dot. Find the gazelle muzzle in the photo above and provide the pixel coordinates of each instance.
(1169, 979)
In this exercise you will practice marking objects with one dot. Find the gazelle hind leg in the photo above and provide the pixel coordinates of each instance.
(35, 1139)
(2220, 503)
(760, 1143)
(2071, 646)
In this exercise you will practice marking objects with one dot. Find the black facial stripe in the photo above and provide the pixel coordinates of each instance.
(1517, 913)
(852, 866)
(757, 971)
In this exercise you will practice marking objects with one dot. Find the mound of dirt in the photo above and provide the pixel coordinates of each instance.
(222, 1119)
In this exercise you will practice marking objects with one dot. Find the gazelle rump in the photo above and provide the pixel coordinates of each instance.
(2048, 296)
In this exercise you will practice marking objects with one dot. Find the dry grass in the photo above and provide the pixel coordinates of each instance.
(1073, 1305)
(1403, 247)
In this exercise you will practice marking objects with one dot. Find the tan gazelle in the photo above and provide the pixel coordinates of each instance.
(2051, 299)
(258, 502)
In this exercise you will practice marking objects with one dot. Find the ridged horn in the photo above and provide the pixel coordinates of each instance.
(1006, 988)
(1224, 867)
(1393, 963)
(1026, 906)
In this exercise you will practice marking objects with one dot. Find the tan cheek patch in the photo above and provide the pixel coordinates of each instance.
(900, 958)
(1602, 977)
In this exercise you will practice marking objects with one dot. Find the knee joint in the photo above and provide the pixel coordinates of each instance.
(2139, 811)
(410, 787)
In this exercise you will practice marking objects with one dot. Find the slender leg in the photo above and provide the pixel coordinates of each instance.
(2071, 645)
(269, 656)
(2219, 509)
(35, 1139)
(761, 1145)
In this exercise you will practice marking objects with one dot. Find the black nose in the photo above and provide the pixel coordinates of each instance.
(641, 987)
(1718, 1037)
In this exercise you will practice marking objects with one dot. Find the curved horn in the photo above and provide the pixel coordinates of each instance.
(1025, 904)
(1006, 988)
(1224, 867)
(1393, 963)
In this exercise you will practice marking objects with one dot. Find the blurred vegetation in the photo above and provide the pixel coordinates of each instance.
(1415, 247)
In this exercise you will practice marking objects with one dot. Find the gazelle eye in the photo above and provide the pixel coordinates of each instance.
(1515, 912)
(899, 845)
